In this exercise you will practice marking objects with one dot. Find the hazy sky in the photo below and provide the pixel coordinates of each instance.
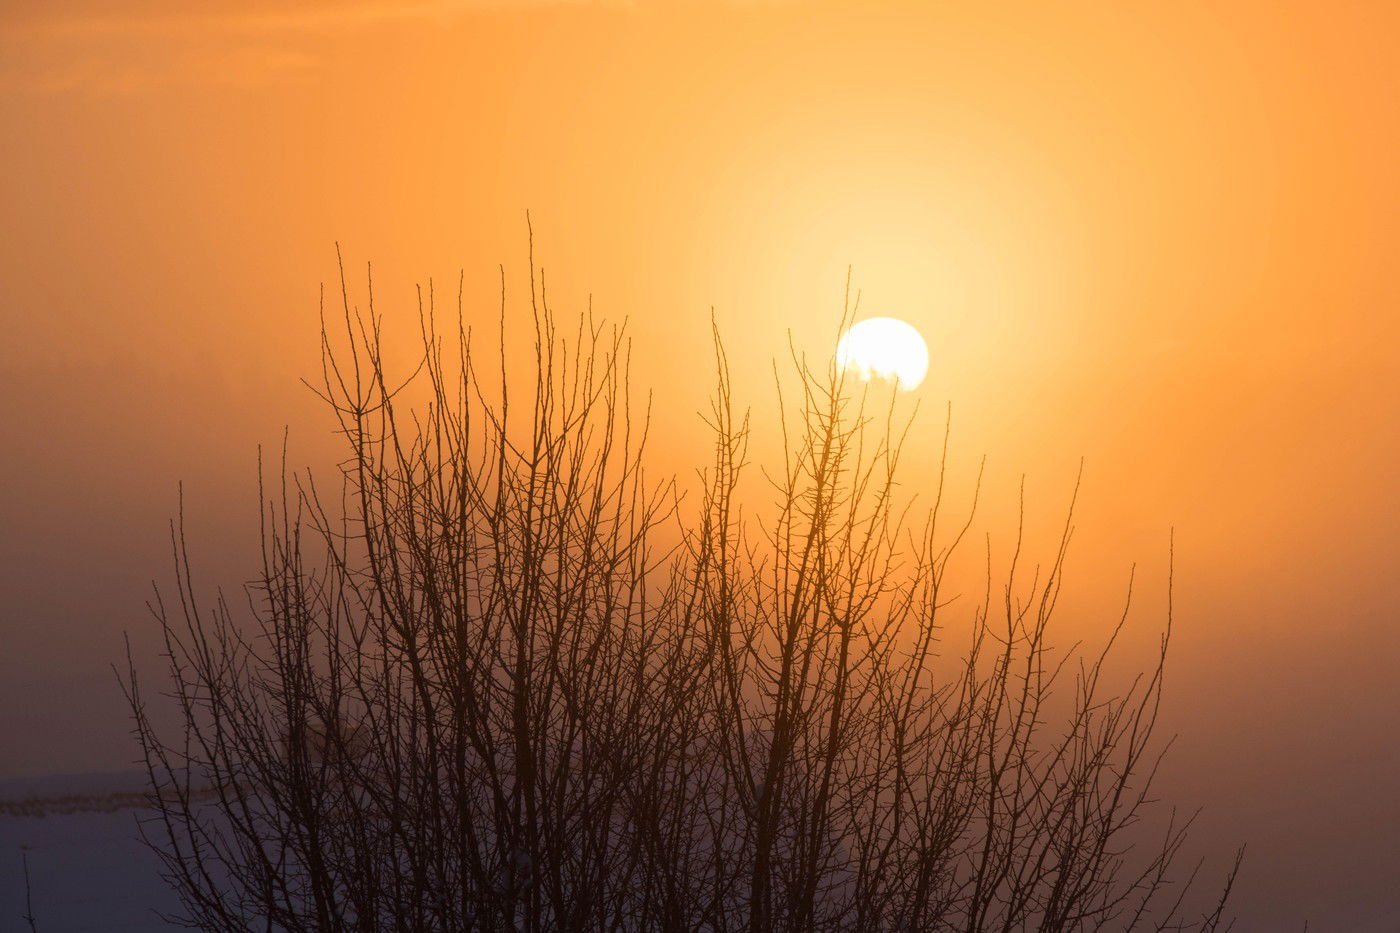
(1163, 240)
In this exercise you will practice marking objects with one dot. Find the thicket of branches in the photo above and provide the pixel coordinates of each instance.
(504, 679)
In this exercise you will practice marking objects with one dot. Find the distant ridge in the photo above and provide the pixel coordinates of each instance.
(91, 792)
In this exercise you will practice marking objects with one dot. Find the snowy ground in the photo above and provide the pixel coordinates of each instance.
(89, 871)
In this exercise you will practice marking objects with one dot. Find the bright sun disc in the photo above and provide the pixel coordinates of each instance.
(885, 348)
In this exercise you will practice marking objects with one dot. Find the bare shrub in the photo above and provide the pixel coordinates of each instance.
(507, 680)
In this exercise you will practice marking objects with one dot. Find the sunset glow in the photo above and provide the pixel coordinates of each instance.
(1149, 246)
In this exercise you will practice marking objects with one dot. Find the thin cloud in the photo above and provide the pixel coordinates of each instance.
(103, 54)
(100, 53)
(121, 75)
(312, 20)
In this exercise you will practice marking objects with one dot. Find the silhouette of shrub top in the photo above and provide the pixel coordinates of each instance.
(505, 679)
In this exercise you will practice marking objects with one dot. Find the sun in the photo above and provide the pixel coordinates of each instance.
(884, 348)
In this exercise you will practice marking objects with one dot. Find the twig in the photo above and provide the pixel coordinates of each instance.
(28, 900)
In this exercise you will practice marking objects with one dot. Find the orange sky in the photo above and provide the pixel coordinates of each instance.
(1161, 239)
